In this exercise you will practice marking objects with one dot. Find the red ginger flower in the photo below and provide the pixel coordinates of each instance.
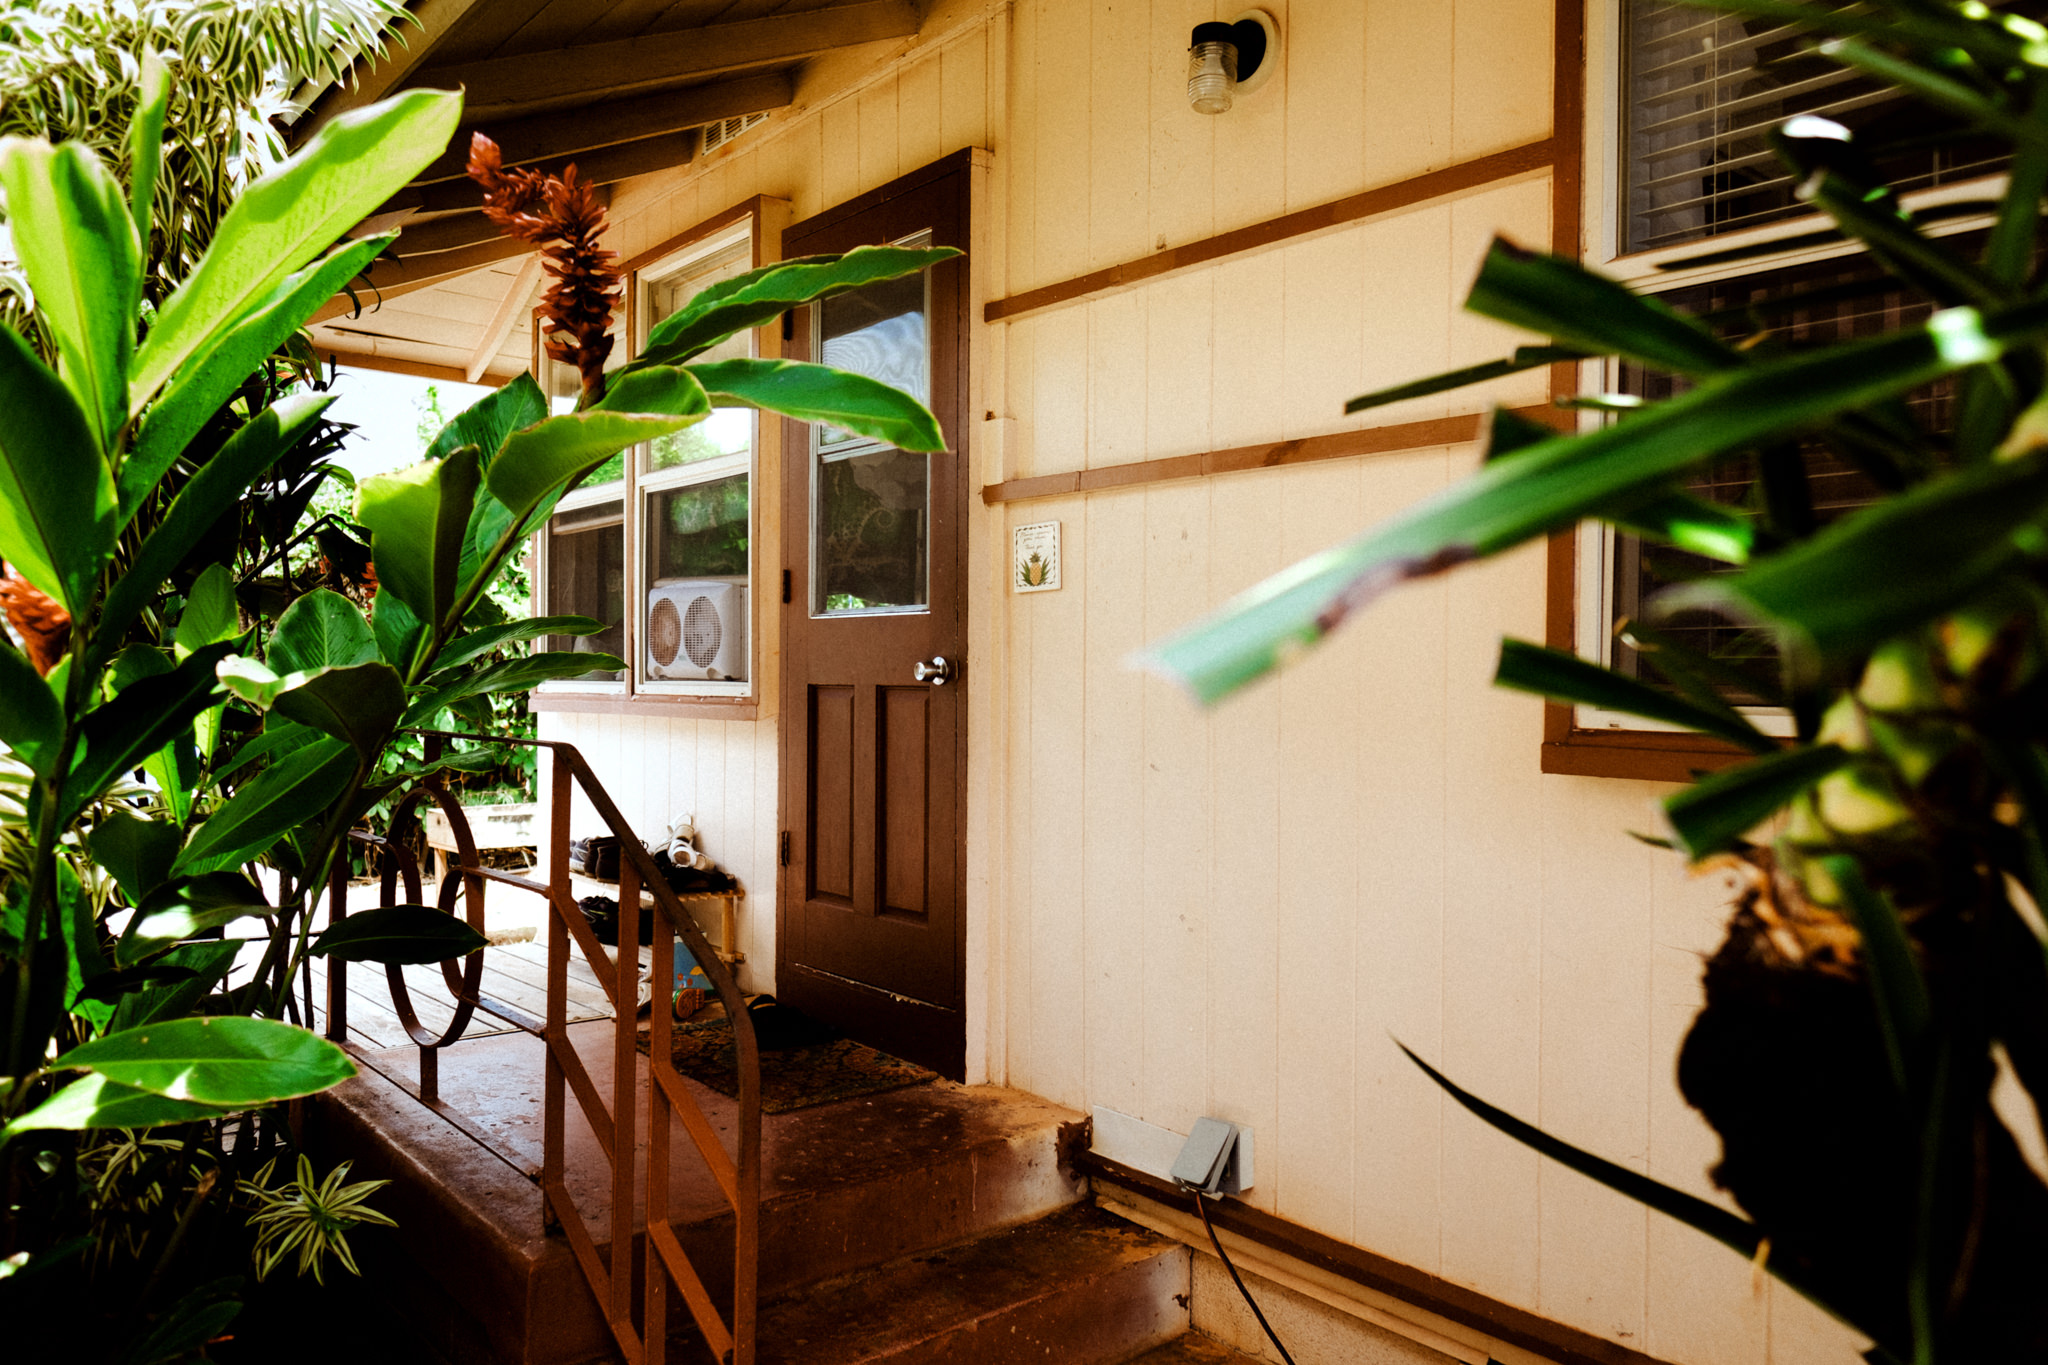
(37, 618)
(564, 213)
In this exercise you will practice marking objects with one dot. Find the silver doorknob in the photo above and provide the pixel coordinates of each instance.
(936, 672)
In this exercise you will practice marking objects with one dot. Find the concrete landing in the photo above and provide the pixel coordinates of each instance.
(845, 1186)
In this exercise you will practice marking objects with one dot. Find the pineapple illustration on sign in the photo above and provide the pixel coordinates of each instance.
(1035, 558)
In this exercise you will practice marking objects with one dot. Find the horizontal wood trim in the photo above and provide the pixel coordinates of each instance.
(629, 65)
(644, 704)
(418, 369)
(1465, 175)
(1383, 440)
(1646, 755)
(1467, 1307)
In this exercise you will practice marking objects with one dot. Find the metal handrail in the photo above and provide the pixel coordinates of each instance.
(617, 1125)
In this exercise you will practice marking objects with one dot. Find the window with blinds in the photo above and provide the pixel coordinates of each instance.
(1793, 307)
(1702, 90)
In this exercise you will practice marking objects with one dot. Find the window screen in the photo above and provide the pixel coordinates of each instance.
(1793, 307)
(1702, 90)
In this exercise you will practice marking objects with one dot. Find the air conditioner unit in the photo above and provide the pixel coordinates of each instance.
(697, 629)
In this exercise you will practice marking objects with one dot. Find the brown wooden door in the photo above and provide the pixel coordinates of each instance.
(872, 933)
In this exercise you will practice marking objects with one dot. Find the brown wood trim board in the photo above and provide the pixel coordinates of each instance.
(670, 706)
(1401, 194)
(1337, 445)
(1430, 1293)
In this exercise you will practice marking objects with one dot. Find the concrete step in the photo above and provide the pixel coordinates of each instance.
(845, 1187)
(1079, 1287)
(1192, 1348)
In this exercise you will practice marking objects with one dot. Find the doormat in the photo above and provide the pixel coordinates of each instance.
(833, 1068)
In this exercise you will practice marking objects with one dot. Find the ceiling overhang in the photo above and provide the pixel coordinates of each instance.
(622, 88)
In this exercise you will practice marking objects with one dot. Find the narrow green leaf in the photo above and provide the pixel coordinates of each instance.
(1524, 358)
(551, 455)
(287, 217)
(146, 141)
(219, 1061)
(97, 1102)
(1942, 92)
(1702, 676)
(294, 789)
(1587, 311)
(1875, 217)
(196, 392)
(510, 675)
(75, 239)
(1896, 985)
(1549, 486)
(278, 738)
(208, 963)
(210, 616)
(219, 484)
(1736, 1233)
(1507, 432)
(135, 724)
(398, 935)
(417, 519)
(56, 496)
(1887, 568)
(184, 909)
(760, 296)
(31, 721)
(1693, 524)
(817, 393)
(1566, 677)
(1711, 814)
(478, 643)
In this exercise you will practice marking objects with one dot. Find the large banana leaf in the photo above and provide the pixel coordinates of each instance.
(1549, 486)
(143, 718)
(219, 1061)
(75, 238)
(289, 216)
(196, 392)
(549, 456)
(56, 494)
(31, 721)
(761, 296)
(418, 518)
(289, 792)
(816, 393)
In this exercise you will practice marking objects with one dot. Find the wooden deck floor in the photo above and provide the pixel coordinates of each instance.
(515, 973)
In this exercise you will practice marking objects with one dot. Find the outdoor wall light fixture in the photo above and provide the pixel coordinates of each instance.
(1227, 60)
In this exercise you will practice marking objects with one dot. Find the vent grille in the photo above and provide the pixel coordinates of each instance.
(703, 632)
(717, 134)
(665, 632)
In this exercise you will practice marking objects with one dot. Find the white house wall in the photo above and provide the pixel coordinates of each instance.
(1177, 913)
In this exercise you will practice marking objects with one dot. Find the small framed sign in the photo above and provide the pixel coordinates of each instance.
(1035, 558)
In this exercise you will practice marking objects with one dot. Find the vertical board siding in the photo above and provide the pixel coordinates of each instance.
(1235, 911)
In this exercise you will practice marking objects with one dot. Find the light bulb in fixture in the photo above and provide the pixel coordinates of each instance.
(1212, 69)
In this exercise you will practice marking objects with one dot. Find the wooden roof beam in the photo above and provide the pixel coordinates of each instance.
(605, 166)
(394, 279)
(556, 137)
(596, 71)
(406, 49)
(500, 326)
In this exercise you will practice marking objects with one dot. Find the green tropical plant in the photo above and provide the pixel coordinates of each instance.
(1887, 951)
(310, 1216)
(72, 72)
(260, 722)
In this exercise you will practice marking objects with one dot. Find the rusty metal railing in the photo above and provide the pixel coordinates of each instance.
(617, 1123)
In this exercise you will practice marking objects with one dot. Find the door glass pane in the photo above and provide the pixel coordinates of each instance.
(868, 533)
(587, 577)
(871, 503)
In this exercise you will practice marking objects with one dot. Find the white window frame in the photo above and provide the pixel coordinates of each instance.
(1594, 544)
(757, 222)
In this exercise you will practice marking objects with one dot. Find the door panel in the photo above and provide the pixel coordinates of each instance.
(872, 917)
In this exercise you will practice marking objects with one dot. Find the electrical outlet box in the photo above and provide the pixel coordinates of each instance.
(1159, 1151)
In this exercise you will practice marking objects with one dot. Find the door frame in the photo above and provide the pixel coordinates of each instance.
(928, 1034)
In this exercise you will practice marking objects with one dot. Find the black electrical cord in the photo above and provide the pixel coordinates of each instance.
(1235, 1278)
